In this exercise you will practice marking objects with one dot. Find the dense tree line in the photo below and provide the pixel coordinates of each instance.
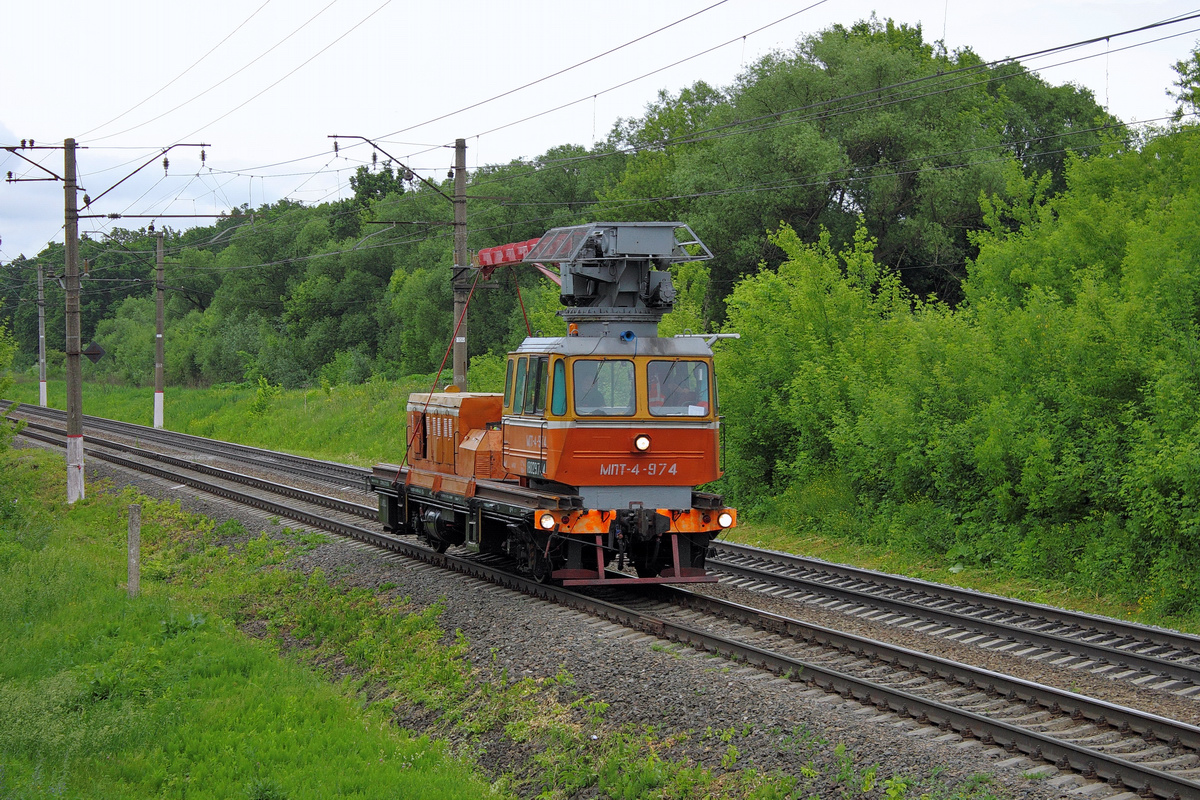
(868, 122)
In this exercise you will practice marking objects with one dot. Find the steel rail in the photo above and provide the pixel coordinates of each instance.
(1079, 706)
(318, 469)
(980, 602)
(325, 501)
(1104, 654)
(1086, 760)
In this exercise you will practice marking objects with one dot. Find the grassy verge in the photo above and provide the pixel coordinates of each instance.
(161, 695)
(166, 694)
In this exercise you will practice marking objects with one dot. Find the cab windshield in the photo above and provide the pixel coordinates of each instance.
(604, 388)
(677, 388)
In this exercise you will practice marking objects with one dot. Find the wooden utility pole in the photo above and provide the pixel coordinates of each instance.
(41, 336)
(158, 334)
(461, 280)
(75, 487)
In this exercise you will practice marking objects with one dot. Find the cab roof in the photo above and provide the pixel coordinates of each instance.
(613, 346)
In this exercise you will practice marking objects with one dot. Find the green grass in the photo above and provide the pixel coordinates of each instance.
(161, 695)
(361, 424)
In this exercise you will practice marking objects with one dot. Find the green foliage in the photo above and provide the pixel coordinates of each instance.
(347, 367)
(264, 396)
(817, 138)
(424, 301)
(542, 304)
(1048, 426)
(1187, 85)
(486, 373)
(691, 282)
(814, 137)
(128, 339)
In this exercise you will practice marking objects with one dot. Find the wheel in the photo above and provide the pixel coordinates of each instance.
(539, 566)
(651, 565)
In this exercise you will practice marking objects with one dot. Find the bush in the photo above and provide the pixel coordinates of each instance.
(1049, 425)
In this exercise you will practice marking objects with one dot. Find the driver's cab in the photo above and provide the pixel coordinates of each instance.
(556, 389)
(547, 386)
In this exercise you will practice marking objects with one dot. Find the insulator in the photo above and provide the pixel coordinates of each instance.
(335, 147)
(450, 174)
(87, 201)
(151, 227)
(166, 164)
(202, 156)
(374, 158)
(31, 142)
(22, 143)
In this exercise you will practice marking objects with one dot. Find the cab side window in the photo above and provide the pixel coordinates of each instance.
(543, 378)
(534, 378)
(519, 386)
(558, 389)
(508, 384)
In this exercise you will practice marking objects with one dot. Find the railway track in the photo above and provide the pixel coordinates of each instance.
(1149, 657)
(1154, 658)
(1141, 752)
(1156, 755)
(329, 472)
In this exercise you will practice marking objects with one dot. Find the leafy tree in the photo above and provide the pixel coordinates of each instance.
(128, 339)
(423, 301)
(867, 121)
(1187, 85)
(369, 185)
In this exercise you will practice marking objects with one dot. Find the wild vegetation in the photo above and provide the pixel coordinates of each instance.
(969, 328)
(1047, 423)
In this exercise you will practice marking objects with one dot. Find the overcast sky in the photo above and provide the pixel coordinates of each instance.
(264, 83)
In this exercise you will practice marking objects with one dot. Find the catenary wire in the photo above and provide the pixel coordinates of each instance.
(171, 82)
(226, 79)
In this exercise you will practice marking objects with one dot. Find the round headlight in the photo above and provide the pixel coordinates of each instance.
(546, 521)
(642, 442)
(725, 520)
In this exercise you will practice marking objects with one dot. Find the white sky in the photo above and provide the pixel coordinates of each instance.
(295, 71)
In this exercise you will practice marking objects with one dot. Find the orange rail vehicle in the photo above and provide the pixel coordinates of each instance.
(594, 452)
